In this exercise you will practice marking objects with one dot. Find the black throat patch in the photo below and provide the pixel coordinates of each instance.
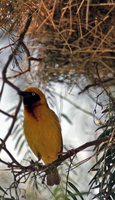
(30, 99)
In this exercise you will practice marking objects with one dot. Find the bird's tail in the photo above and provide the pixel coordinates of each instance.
(53, 177)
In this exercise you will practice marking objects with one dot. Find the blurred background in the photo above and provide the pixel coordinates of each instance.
(66, 48)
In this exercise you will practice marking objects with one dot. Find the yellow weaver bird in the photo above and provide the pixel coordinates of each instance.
(42, 130)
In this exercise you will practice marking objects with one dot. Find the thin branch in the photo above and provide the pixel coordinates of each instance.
(7, 114)
(9, 154)
(98, 83)
(7, 46)
(28, 54)
(19, 74)
(14, 119)
(36, 59)
(11, 56)
(77, 150)
(36, 166)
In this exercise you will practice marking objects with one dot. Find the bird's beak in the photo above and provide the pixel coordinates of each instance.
(22, 93)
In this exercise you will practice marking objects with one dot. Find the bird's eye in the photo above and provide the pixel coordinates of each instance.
(33, 94)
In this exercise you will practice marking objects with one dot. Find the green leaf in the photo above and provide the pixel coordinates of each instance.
(78, 193)
(72, 195)
(66, 118)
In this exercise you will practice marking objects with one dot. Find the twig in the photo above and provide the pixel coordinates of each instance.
(7, 114)
(77, 150)
(14, 119)
(98, 83)
(14, 162)
(11, 56)
(28, 55)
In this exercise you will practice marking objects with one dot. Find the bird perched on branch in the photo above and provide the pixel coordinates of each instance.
(42, 130)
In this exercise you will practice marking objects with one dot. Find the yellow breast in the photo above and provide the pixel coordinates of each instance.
(43, 133)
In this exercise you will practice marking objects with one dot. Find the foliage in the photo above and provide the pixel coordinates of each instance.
(104, 178)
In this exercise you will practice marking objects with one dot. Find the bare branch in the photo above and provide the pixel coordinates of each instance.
(19, 42)
(14, 119)
(72, 152)
(7, 114)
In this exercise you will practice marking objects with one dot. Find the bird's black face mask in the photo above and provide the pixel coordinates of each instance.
(29, 98)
